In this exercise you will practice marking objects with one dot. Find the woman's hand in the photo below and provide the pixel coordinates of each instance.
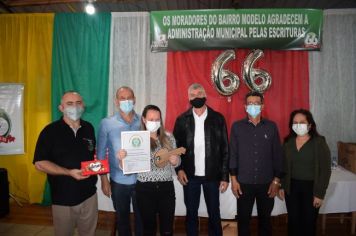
(173, 159)
(121, 154)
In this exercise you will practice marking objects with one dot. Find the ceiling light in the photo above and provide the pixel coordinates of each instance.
(90, 9)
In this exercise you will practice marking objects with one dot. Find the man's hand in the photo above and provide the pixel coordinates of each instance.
(77, 174)
(223, 186)
(281, 194)
(105, 185)
(273, 188)
(182, 177)
(54, 169)
(235, 187)
(317, 202)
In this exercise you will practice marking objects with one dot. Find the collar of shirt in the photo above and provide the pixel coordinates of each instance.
(248, 121)
(119, 118)
(72, 128)
(202, 117)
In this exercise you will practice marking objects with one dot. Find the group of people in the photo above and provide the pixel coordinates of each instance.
(259, 167)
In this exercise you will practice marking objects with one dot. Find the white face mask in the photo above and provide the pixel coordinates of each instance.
(153, 126)
(300, 129)
(73, 112)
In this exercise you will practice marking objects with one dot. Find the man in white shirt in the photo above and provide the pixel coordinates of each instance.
(202, 131)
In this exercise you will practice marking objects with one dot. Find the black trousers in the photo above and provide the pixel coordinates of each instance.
(302, 215)
(156, 199)
(250, 193)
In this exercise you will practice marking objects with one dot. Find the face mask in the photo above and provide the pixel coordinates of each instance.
(253, 110)
(153, 126)
(126, 106)
(198, 102)
(300, 129)
(73, 112)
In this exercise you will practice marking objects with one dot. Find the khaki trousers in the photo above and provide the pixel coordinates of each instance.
(84, 216)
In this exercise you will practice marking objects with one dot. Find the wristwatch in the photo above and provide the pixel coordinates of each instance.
(5, 123)
(276, 183)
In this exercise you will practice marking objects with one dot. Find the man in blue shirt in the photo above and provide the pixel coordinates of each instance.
(120, 187)
(255, 165)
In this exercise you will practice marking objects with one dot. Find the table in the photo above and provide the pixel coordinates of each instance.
(340, 198)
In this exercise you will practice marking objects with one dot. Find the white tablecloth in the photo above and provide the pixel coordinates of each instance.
(340, 197)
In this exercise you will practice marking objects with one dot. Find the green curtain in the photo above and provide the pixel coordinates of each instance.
(80, 61)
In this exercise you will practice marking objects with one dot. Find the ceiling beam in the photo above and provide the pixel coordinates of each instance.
(5, 7)
(18, 3)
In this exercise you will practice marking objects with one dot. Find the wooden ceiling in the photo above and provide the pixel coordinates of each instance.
(42, 6)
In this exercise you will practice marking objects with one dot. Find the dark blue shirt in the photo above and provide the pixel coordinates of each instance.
(255, 152)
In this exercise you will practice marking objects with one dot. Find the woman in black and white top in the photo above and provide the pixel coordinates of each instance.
(155, 192)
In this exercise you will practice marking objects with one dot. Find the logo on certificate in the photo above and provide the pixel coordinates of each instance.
(136, 141)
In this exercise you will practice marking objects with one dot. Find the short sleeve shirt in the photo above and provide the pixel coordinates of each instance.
(59, 144)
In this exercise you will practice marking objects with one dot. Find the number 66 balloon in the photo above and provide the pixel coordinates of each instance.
(250, 74)
(225, 81)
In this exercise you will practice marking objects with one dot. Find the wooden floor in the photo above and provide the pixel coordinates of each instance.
(41, 215)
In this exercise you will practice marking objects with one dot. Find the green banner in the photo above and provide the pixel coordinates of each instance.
(287, 29)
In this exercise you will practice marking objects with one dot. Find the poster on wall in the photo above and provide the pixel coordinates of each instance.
(11, 119)
(279, 29)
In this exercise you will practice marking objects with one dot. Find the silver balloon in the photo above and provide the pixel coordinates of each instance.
(250, 74)
(221, 76)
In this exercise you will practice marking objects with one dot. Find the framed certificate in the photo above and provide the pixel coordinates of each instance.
(137, 146)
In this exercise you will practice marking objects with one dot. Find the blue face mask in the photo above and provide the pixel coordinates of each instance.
(126, 106)
(253, 110)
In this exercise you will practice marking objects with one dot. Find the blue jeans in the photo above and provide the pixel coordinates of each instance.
(192, 198)
(122, 196)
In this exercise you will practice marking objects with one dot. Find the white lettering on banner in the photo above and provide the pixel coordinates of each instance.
(231, 33)
(286, 19)
(235, 32)
(229, 19)
(193, 20)
(257, 32)
(253, 19)
(286, 32)
(191, 33)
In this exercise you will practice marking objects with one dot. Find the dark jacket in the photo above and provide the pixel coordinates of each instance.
(322, 170)
(216, 144)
